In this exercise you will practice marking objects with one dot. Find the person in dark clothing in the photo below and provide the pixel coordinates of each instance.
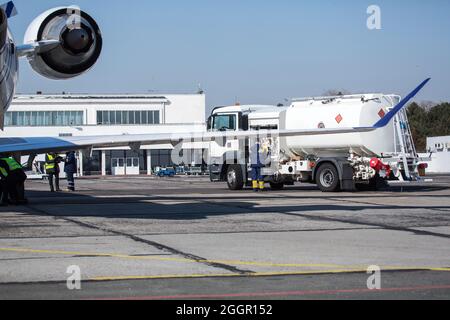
(52, 162)
(258, 156)
(15, 180)
(70, 168)
(4, 172)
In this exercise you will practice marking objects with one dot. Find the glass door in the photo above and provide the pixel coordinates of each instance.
(118, 166)
(132, 166)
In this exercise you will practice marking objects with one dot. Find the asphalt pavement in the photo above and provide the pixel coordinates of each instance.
(188, 238)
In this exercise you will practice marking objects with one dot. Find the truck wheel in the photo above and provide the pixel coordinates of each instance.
(277, 186)
(235, 178)
(327, 178)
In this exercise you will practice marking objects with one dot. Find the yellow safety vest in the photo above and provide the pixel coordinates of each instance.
(50, 165)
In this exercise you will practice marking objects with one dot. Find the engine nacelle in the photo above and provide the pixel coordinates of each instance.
(3, 28)
(80, 42)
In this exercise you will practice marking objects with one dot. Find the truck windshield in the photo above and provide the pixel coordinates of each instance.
(224, 122)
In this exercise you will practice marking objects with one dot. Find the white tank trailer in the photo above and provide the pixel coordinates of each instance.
(345, 112)
(349, 161)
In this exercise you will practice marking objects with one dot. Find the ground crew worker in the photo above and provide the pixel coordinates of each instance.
(258, 157)
(52, 169)
(15, 181)
(70, 168)
(4, 172)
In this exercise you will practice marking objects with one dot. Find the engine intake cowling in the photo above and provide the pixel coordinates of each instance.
(80, 43)
(3, 28)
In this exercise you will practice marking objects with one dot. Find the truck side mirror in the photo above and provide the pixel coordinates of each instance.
(209, 123)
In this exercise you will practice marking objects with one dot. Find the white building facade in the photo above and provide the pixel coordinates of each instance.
(94, 115)
(439, 147)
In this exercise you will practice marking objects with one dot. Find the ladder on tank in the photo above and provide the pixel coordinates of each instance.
(404, 147)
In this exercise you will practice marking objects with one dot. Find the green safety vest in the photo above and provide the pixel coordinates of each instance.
(12, 164)
(50, 165)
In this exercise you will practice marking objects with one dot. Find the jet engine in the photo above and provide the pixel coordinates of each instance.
(75, 38)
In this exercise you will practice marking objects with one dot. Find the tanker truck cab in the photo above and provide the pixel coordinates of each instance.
(223, 119)
(229, 159)
(336, 162)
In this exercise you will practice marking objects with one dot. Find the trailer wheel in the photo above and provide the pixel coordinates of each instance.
(327, 178)
(235, 177)
(277, 186)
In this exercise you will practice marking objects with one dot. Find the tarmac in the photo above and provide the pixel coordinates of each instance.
(188, 238)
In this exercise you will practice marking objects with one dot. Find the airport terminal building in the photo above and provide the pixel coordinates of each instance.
(92, 115)
(439, 147)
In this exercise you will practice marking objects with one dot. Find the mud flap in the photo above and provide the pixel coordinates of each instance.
(347, 183)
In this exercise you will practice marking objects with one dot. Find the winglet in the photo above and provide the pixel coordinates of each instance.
(384, 122)
(10, 9)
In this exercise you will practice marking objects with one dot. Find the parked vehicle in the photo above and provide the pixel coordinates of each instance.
(334, 162)
(166, 172)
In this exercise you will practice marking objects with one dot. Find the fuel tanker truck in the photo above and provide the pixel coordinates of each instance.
(345, 161)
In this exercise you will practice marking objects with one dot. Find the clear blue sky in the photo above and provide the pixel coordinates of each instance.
(257, 51)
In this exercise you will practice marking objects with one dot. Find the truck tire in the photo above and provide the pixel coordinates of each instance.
(277, 186)
(327, 178)
(235, 177)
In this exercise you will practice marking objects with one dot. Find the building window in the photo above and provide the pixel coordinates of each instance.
(112, 117)
(137, 117)
(20, 117)
(34, 118)
(119, 117)
(151, 117)
(27, 119)
(131, 117)
(107, 118)
(124, 117)
(99, 117)
(44, 118)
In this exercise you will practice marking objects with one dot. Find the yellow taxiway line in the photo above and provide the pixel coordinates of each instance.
(159, 258)
(333, 268)
(258, 274)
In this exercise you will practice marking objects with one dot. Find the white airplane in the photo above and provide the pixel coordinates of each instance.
(63, 43)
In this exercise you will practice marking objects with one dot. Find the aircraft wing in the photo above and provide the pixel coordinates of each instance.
(26, 146)
(47, 144)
